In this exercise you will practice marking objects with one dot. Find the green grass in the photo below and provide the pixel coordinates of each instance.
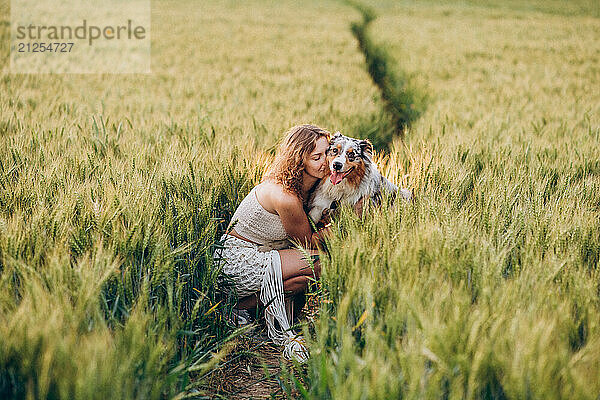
(487, 285)
(113, 189)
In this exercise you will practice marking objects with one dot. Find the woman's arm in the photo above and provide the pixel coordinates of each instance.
(295, 221)
(319, 236)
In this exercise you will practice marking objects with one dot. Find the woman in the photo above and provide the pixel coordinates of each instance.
(272, 214)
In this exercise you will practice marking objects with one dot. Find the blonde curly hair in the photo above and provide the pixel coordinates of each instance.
(288, 165)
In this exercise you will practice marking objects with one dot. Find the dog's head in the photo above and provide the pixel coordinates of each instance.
(347, 158)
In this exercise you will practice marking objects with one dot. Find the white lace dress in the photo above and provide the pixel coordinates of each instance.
(254, 267)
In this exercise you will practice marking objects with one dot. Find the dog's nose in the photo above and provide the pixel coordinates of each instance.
(337, 165)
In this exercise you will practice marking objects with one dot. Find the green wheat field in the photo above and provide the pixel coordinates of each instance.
(115, 188)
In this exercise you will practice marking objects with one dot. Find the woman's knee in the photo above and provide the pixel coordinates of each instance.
(294, 263)
(295, 285)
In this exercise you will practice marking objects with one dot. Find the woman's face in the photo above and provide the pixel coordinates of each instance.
(315, 164)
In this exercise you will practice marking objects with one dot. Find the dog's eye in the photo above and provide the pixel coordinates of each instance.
(333, 151)
(351, 156)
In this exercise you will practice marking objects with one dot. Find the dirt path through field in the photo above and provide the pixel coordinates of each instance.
(252, 372)
(254, 368)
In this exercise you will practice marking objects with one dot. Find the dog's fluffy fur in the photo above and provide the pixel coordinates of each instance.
(353, 176)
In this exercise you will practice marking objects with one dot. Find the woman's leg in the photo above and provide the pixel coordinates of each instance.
(248, 302)
(296, 271)
(294, 285)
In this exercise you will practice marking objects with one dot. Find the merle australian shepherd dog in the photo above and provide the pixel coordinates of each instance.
(353, 176)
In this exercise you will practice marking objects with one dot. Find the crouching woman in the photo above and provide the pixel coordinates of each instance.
(253, 258)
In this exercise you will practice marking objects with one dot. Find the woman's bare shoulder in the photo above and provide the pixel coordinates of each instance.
(276, 197)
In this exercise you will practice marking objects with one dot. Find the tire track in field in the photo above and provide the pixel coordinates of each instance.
(403, 102)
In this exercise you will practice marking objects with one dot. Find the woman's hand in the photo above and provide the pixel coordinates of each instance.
(325, 231)
(319, 236)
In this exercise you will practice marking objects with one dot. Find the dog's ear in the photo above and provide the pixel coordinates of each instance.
(366, 147)
(334, 137)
